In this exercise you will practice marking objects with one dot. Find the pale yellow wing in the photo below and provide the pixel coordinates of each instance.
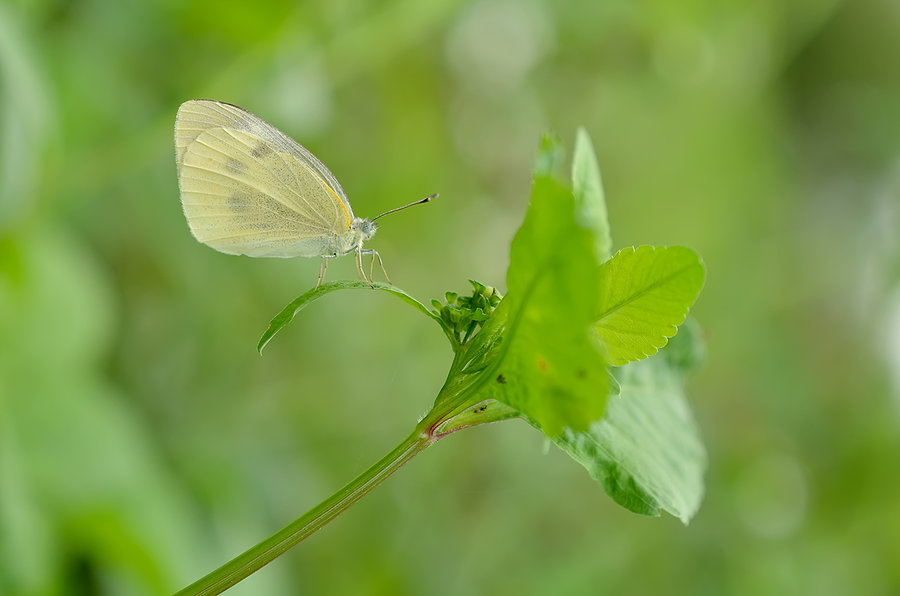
(247, 188)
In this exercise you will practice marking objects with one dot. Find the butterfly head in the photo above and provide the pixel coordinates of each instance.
(365, 228)
(352, 240)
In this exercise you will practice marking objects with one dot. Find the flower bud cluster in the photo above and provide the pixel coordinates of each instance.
(463, 315)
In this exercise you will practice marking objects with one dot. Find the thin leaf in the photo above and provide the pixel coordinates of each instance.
(288, 313)
(587, 186)
(646, 293)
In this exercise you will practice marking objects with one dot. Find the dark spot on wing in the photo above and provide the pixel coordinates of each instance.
(239, 202)
(235, 166)
(261, 150)
(501, 379)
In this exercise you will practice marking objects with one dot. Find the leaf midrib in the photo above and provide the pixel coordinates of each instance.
(642, 293)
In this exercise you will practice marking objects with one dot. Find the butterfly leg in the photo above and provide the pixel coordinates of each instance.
(381, 264)
(375, 255)
(360, 270)
(323, 267)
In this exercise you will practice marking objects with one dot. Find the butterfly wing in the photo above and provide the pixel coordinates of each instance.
(247, 188)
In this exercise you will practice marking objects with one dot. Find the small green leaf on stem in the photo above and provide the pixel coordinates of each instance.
(587, 186)
(645, 294)
(288, 313)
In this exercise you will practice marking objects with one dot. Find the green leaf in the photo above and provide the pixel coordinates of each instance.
(552, 372)
(549, 157)
(288, 313)
(646, 453)
(587, 186)
(646, 293)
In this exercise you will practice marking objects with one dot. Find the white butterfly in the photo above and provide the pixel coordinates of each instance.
(249, 189)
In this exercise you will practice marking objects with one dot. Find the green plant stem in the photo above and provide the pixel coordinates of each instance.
(263, 553)
(459, 411)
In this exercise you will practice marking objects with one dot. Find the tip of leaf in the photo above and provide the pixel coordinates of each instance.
(583, 138)
(549, 158)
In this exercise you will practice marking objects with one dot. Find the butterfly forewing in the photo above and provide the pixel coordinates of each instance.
(198, 115)
(248, 189)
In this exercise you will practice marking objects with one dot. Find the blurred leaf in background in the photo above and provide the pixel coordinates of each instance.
(142, 439)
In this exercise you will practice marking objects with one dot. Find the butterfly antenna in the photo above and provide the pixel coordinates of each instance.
(419, 202)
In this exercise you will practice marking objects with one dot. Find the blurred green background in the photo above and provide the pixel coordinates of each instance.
(143, 441)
